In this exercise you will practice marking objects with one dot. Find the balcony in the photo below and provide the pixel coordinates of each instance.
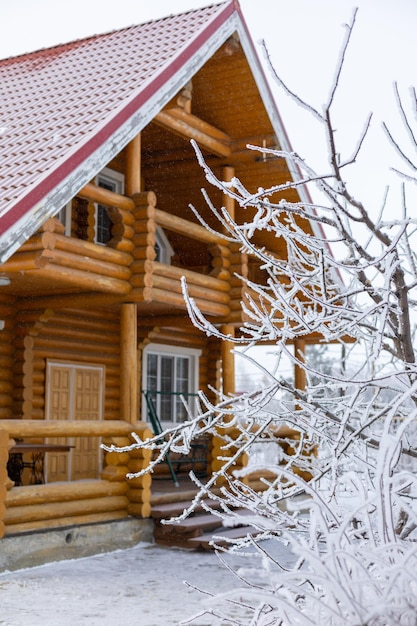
(51, 262)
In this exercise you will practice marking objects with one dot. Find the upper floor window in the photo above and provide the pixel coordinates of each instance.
(77, 216)
(64, 217)
(163, 248)
(112, 181)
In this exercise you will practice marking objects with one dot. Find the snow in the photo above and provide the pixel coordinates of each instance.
(140, 586)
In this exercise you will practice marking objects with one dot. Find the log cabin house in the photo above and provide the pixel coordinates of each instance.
(97, 175)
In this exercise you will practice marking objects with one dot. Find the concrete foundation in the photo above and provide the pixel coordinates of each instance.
(72, 542)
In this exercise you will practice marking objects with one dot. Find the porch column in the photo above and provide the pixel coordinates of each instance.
(228, 358)
(128, 363)
(128, 314)
(133, 182)
(299, 372)
(228, 362)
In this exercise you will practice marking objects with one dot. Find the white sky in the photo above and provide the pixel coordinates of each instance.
(303, 36)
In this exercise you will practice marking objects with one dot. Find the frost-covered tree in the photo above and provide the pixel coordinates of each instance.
(336, 517)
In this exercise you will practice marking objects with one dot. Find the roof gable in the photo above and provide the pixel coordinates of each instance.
(61, 106)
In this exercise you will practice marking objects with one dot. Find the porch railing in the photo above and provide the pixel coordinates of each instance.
(113, 496)
(198, 449)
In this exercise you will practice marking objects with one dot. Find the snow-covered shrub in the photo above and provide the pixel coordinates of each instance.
(336, 509)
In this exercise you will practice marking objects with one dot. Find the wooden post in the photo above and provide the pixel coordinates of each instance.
(228, 360)
(133, 167)
(299, 372)
(128, 363)
(4, 479)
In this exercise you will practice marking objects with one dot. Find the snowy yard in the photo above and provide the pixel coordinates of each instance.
(141, 586)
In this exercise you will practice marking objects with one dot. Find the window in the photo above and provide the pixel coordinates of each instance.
(170, 373)
(64, 217)
(78, 207)
(163, 249)
(112, 181)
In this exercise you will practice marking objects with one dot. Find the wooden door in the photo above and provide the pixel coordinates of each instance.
(58, 408)
(87, 406)
(74, 392)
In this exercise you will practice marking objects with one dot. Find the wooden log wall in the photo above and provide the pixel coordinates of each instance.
(139, 489)
(7, 314)
(55, 505)
(119, 464)
(79, 262)
(154, 281)
(221, 262)
(47, 506)
(74, 335)
(211, 294)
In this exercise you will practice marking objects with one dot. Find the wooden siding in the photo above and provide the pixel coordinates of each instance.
(73, 335)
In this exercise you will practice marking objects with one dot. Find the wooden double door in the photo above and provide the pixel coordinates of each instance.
(74, 392)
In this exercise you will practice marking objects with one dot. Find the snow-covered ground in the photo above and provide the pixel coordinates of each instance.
(141, 586)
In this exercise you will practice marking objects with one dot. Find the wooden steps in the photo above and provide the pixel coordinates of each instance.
(197, 530)
(220, 537)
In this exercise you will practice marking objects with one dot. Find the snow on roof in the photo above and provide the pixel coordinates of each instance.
(67, 110)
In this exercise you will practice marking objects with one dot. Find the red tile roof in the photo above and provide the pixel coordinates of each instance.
(60, 105)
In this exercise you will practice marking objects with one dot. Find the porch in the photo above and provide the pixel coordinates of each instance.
(111, 497)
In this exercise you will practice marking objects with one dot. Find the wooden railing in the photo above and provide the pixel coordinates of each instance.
(72, 262)
(111, 497)
(159, 282)
(127, 262)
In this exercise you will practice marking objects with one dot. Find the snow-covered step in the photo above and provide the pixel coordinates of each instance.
(190, 527)
(173, 509)
(220, 537)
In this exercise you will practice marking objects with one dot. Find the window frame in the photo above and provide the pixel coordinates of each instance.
(65, 215)
(166, 350)
(163, 249)
(111, 176)
(117, 180)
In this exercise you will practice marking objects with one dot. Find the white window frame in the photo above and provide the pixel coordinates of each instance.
(65, 216)
(164, 249)
(107, 174)
(117, 180)
(192, 354)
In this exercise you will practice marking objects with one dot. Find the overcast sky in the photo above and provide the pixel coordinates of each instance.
(303, 36)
